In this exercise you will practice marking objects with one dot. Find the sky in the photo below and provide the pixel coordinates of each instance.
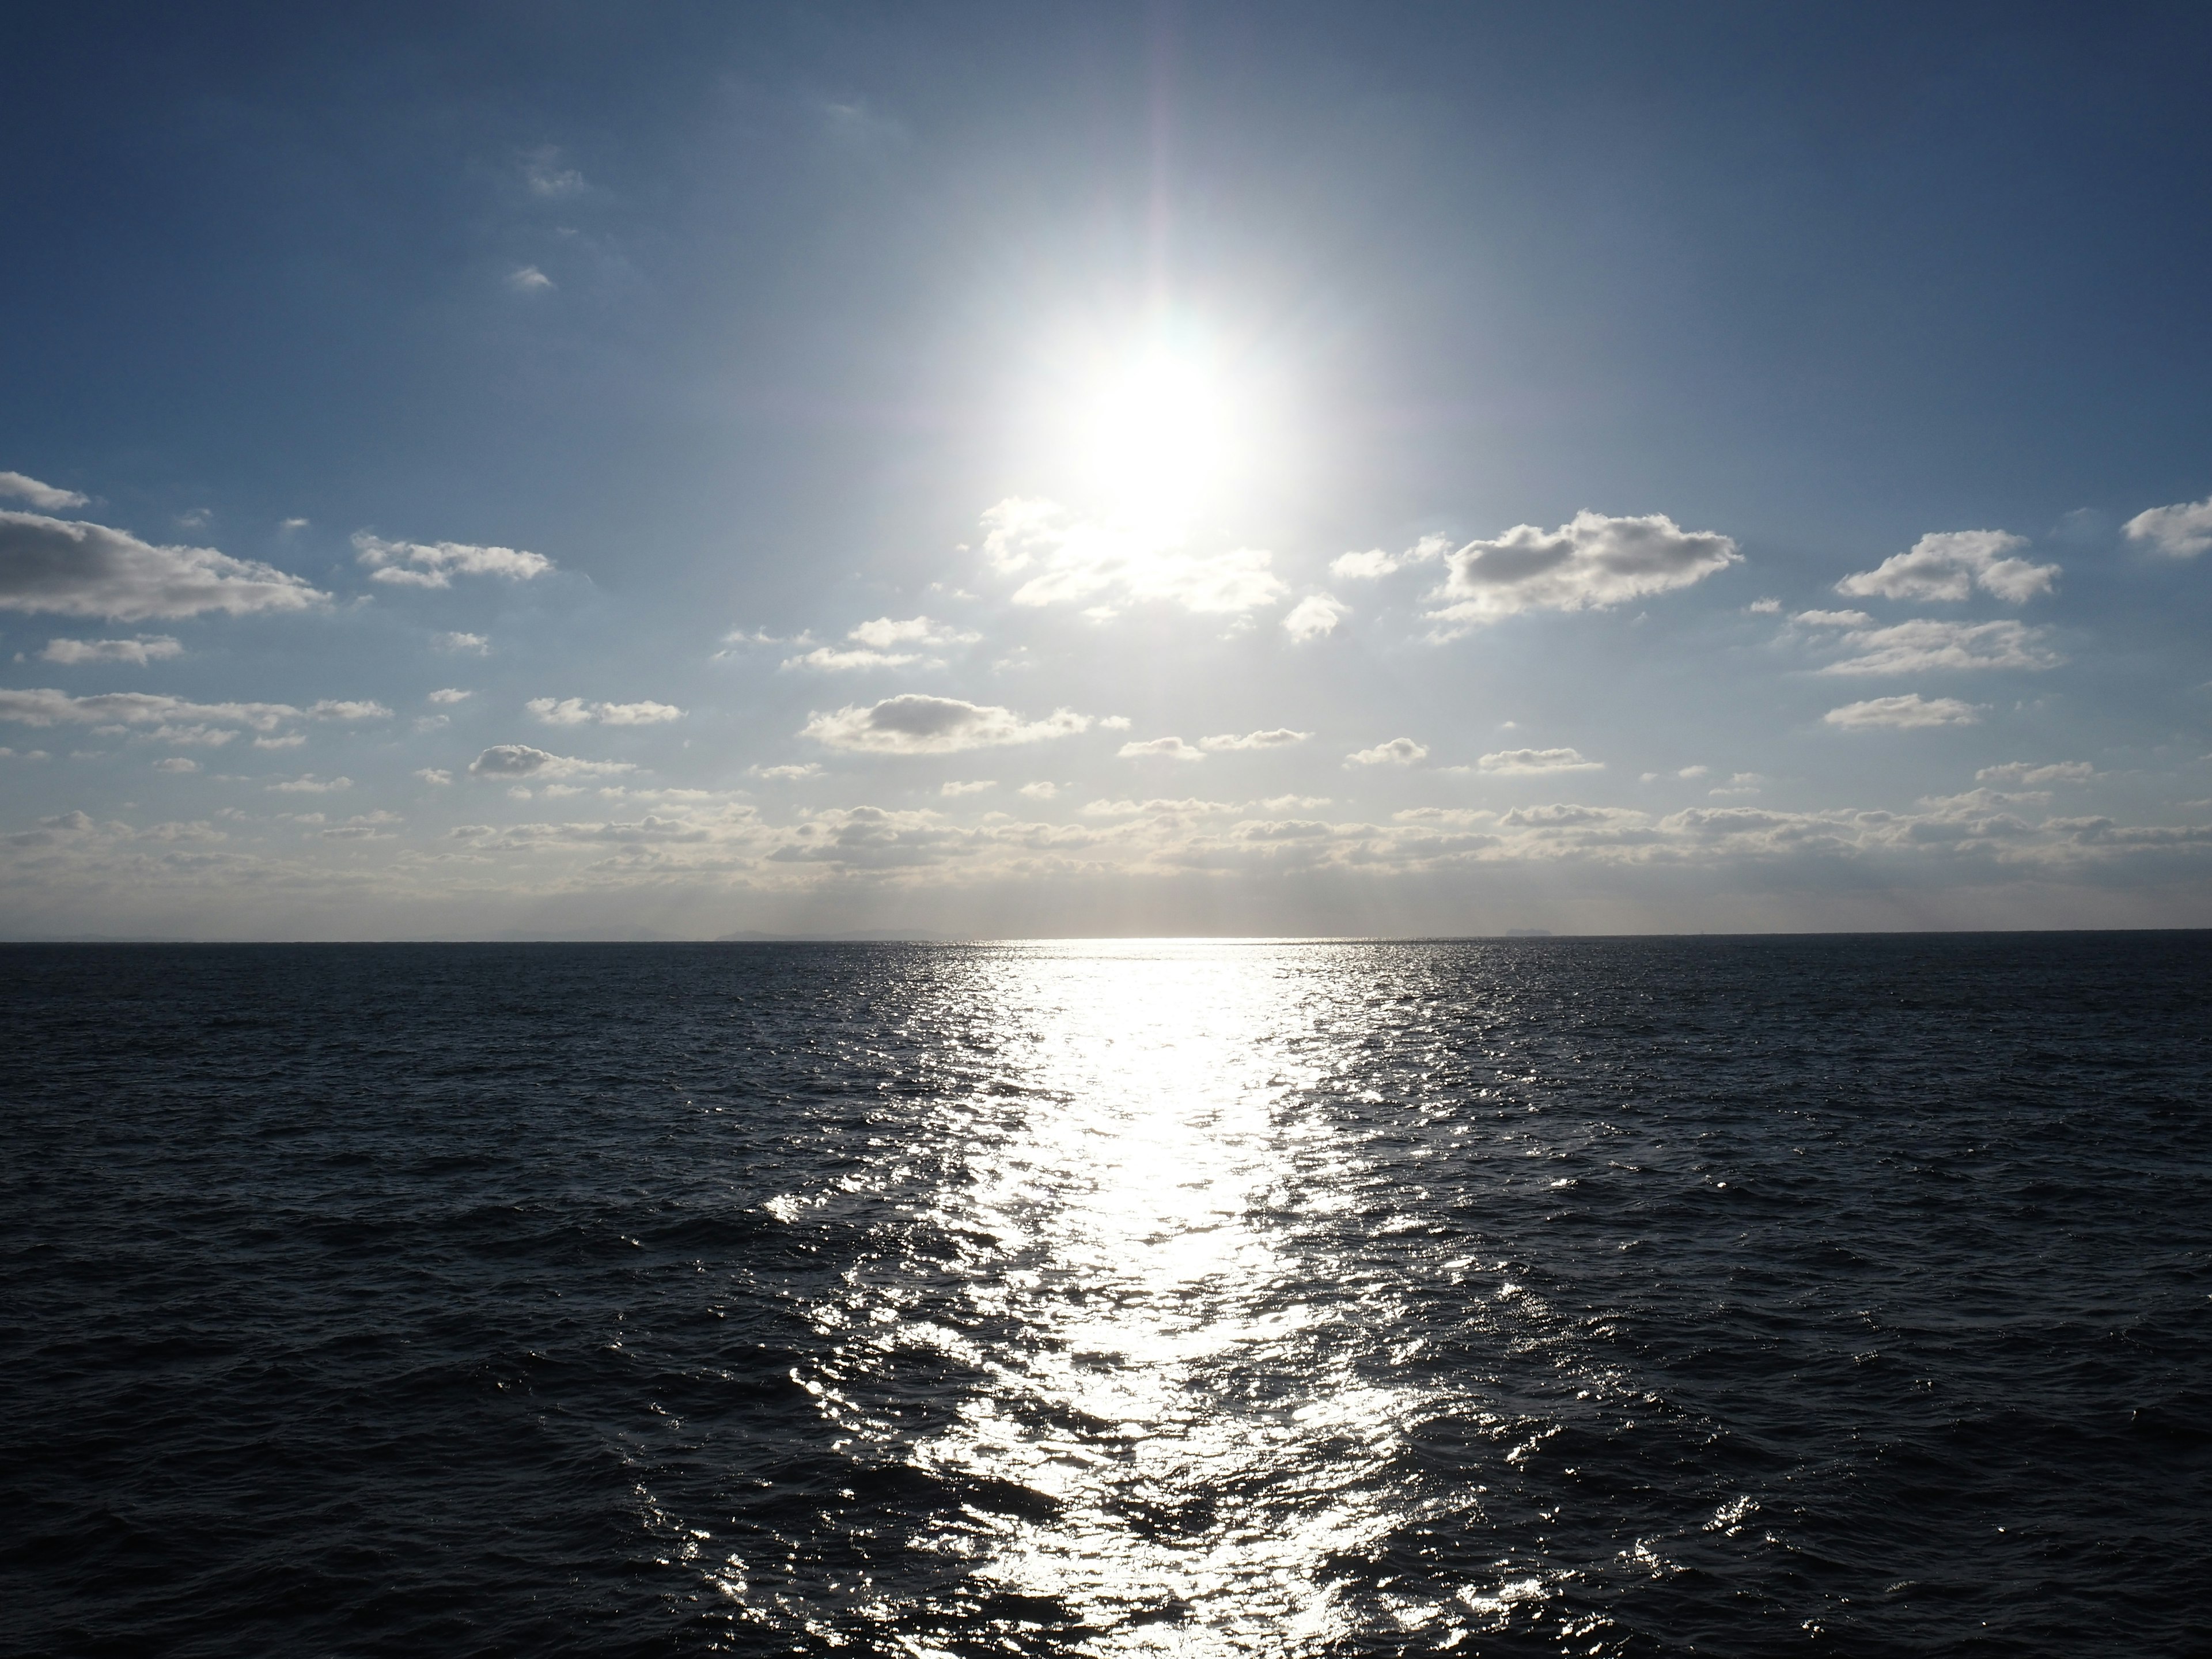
(566, 471)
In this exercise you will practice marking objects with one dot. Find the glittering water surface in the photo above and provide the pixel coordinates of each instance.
(1129, 1299)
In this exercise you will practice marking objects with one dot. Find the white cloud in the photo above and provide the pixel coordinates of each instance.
(2019, 772)
(289, 740)
(310, 785)
(475, 643)
(73, 568)
(1764, 607)
(975, 787)
(2180, 531)
(876, 644)
(1131, 809)
(1522, 761)
(1833, 619)
(1375, 562)
(176, 763)
(437, 775)
(434, 564)
(448, 693)
(1693, 772)
(52, 707)
(290, 527)
(1160, 748)
(916, 724)
(1950, 564)
(886, 632)
(1282, 737)
(1590, 562)
(1399, 751)
(26, 488)
(528, 279)
(1909, 648)
(544, 176)
(1313, 616)
(832, 660)
(1039, 791)
(520, 760)
(574, 711)
(1904, 713)
(139, 651)
(786, 774)
(330, 709)
(1115, 566)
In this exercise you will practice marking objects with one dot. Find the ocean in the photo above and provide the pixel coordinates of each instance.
(1593, 1296)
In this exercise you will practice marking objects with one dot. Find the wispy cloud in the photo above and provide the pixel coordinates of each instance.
(574, 711)
(147, 648)
(23, 488)
(1109, 567)
(1524, 761)
(1909, 648)
(1906, 712)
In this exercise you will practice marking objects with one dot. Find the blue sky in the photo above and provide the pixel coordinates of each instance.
(676, 471)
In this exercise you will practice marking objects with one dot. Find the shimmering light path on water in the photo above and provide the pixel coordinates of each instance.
(1177, 1298)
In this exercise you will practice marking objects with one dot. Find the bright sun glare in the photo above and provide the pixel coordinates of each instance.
(1155, 435)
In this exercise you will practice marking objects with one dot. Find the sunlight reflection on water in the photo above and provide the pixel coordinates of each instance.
(1145, 1208)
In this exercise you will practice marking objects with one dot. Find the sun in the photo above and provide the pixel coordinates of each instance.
(1155, 435)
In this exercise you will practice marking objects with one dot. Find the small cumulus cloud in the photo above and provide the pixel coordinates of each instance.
(476, 645)
(1280, 737)
(449, 693)
(1399, 751)
(434, 564)
(520, 760)
(528, 279)
(1906, 712)
(1948, 565)
(788, 773)
(1833, 619)
(1039, 791)
(75, 568)
(138, 652)
(975, 787)
(1160, 748)
(2180, 531)
(23, 488)
(1520, 761)
(310, 785)
(176, 763)
(913, 724)
(436, 774)
(290, 527)
(1591, 562)
(1764, 607)
(1313, 616)
(574, 711)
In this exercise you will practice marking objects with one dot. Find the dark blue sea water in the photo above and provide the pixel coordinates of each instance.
(1723, 1296)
